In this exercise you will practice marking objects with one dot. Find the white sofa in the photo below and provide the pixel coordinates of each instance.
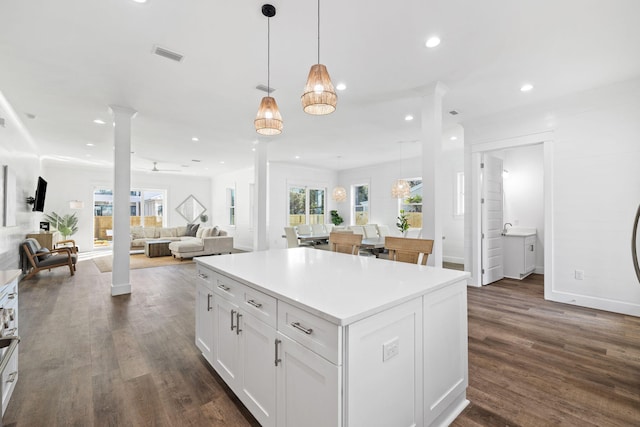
(207, 241)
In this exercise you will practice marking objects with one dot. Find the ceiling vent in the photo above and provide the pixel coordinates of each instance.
(166, 53)
(1, 122)
(265, 88)
(453, 112)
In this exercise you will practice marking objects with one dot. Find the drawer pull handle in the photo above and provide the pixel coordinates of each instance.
(12, 376)
(233, 313)
(209, 302)
(9, 332)
(224, 288)
(13, 295)
(238, 316)
(302, 328)
(277, 359)
(253, 303)
(203, 276)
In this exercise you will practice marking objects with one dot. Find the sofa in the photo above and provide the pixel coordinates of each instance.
(186, 241)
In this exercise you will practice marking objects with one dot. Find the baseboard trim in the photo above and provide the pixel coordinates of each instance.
(453, 259)
(120, 289)
(539, 270)
(594, 302)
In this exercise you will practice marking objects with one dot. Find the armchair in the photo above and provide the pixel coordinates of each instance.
(37, 258)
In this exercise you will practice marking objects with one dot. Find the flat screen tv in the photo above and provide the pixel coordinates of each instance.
(41, 192)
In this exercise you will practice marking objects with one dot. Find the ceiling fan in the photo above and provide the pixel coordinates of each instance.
(155, 169)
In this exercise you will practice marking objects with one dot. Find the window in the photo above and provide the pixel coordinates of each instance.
(306, 205)
(412, 205)
(458, 209)
(360, 204)
(231, 205)
(146, 208)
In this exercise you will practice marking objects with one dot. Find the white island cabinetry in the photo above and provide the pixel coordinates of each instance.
(315, 338)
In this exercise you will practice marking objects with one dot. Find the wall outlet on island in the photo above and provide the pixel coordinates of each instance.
(579, 274)
(390, 349)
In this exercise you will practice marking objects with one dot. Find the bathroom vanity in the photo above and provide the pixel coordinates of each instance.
(306, 337)
(519, 248)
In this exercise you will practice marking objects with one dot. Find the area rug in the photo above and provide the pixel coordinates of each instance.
(136, 261)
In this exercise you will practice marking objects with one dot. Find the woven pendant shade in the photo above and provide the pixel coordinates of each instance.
(268, 120)
(339, 194)
(400, 189)
(319, 95)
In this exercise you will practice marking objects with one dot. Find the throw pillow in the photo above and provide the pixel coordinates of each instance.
(192, 229)
(168, 232)
(150, 233)
(43, 253)
(215, 232)
(137, 232)
(200, 232)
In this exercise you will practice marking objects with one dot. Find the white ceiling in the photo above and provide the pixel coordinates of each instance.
(65, 61)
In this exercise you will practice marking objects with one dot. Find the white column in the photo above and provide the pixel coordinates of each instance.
(432, 191)
(260, 242)
(121, 198)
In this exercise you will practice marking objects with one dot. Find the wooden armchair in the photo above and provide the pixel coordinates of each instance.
(69, 243)
(346, 243)
(408, 250)
(38, 258)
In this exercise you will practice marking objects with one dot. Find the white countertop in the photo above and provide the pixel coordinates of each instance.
(7, 276)
(338, 287)
(520, 232)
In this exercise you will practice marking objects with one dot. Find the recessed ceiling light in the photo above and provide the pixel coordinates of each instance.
(297, 157)
(195, 139)
(453, 138)
(526, 87)
(433, 42)
(408, 117)
(341, 86)
(139, 1)
(99, 122)
(253, 149)
(222, 162)
(89, 144)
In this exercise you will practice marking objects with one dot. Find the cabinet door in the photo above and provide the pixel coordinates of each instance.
(204, 320)
(226, 349)
(257, 376)
(309, 391)
(529, 254)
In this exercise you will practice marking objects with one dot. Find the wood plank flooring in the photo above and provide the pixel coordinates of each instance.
(87, 359)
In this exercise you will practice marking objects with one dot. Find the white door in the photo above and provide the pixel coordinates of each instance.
(204, 321)
(258, 370)
(226, 348)
(309, 390)
(492, 266)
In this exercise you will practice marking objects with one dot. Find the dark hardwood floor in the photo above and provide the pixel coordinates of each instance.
(87, 359)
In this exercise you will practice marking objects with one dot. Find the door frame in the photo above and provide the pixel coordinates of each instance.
(473, 224)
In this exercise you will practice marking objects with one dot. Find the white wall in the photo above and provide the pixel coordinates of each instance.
(66, 183)
(452, 225)
(594, 157)
(241, 180)
(523, 193)
(19, 153)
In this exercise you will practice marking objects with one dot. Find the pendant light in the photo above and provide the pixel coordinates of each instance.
(268, 120)
(319, 95)
(339, 193)
(401, 188)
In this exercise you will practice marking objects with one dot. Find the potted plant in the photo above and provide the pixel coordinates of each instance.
(403, 223)
(335, 218)
(66, 225)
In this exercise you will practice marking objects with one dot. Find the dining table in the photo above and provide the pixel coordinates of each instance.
(374, 245)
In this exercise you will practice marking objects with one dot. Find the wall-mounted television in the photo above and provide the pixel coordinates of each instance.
(41, 192)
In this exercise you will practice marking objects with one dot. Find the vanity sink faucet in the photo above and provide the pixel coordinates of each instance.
(504, 229)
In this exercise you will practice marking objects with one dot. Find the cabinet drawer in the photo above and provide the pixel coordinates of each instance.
(206, 277)
(262, 306)
(227, 288)
(9, 379)
(313, 332)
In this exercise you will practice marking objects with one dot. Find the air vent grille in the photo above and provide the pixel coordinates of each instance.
(453, 112)
(264, 88)
(1, 122)
(166, 53)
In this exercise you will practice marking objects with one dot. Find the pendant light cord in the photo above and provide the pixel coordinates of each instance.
(268, 56)
(318, 31)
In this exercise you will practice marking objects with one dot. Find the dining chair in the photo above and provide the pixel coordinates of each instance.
(357, 229)
(383, 230)
(402, 249)
(346, 243)
(328, 228)
(292, 238)
(370, 231)
(317, 229)
(304, 229)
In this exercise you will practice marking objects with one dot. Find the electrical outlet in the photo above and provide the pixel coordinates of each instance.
(390, 349)
(579, 274)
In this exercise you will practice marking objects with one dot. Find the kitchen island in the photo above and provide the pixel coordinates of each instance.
(306, 337)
